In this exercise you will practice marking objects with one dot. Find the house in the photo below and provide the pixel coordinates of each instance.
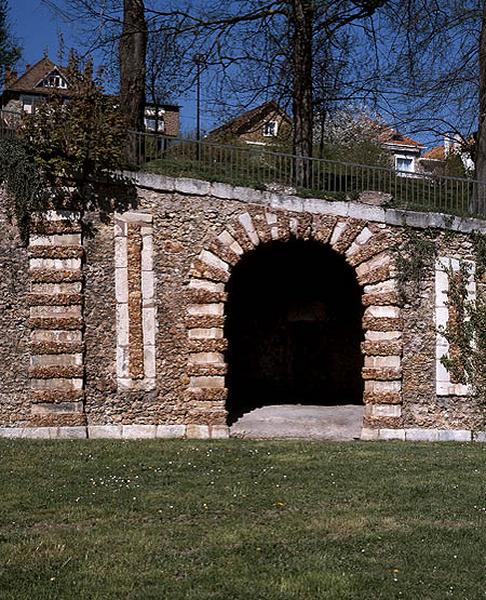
(406, 151)
(21, 94)
(162, 118)
(265, 125)
(436, 159)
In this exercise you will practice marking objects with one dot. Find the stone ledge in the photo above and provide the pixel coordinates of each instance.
(358, 210)
(423, 435)
(50, 433)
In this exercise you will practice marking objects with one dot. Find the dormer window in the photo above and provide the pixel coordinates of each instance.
(270, 129)
(54, 80)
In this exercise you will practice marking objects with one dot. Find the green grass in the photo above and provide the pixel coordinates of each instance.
(242, 520)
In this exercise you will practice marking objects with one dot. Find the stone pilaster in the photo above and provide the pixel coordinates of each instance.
(56, 321)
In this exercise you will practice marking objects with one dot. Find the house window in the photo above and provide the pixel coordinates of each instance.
(405, 164)
(27, 104)
(270, 129)
(54, 81)
(152, 124)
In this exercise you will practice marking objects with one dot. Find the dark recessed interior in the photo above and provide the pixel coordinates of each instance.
(294, 328)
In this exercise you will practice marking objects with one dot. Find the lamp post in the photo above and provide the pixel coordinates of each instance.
(198, 60)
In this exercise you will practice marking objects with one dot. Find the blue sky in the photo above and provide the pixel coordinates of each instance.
(37, 30)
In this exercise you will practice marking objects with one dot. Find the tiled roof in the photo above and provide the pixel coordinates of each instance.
(437, 153)
(29, 80)
(251, 117)
(392, 137)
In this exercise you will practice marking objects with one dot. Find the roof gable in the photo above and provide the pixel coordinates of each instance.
(252, 119)
(32, 79)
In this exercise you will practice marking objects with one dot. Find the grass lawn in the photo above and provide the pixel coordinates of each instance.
(234, 519)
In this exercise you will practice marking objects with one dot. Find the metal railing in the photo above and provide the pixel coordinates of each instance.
(256, 166)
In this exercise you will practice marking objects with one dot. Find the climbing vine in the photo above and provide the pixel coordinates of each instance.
(415, 259)
(479, 246)
(465, 333)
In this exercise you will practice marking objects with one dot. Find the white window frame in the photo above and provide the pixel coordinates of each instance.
(275, 130)
(404, 157)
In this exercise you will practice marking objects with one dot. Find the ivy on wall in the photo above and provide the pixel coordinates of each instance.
(414, 260)
(465, 333)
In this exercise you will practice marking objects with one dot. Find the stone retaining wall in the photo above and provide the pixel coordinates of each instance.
(126, 320)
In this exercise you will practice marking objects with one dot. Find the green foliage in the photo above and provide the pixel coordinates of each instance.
(361, 152)
(65, 154)
(479, 244)
(23, 182)
(466, 334)
(415, 259)
(9, 51)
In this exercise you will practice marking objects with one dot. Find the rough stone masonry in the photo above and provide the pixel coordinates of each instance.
(118, 330)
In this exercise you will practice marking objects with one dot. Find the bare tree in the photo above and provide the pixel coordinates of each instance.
(132, 52)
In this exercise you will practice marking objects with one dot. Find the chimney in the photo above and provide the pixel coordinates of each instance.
(27, 67)
(447, 145)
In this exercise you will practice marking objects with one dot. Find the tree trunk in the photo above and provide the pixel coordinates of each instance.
(478, 205)
(132, 51)
(302, 19)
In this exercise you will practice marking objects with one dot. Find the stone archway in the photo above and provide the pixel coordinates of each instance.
(365, 246)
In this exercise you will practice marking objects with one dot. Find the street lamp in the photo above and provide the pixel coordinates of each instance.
(198, 60)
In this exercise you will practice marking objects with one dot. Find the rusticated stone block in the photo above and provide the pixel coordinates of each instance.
(54, 299)
(209, 369)
(223, 251)
(382, 324)
(208, 416)
(382, 422)
(378, 243)
(56, 396)
(322, 227)
(241, 236)
(383, 299)
(375, 275)
(208, 345)
(66, 323)
(351, 231)
(202, 270)
(261, 225)
(56, 227)
(204, 321)
(58, 407)
(202, 296)
(207, 394)
(303, 229)
(55, 275)
(382, 373)
(392, 348)
(382, 398)
(57, 371)
(58, 420)
(283, 226)
(41, 348)
(59, 252)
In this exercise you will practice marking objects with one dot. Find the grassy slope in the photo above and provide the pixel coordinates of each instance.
(231, 520)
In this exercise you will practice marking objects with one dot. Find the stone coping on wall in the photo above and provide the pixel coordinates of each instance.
(357, 210)
(139, 432)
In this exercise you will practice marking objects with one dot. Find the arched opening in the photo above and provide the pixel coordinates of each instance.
(293, 324)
